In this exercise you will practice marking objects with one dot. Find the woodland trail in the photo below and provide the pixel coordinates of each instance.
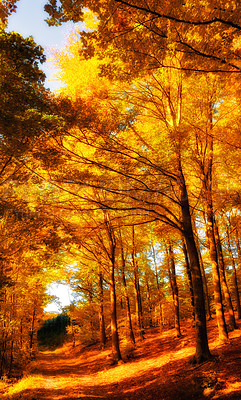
(159, 370)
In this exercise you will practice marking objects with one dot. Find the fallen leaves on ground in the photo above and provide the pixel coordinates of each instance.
(159, 369)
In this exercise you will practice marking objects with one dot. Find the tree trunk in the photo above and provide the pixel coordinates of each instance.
(174, 289)
(239, 256)
(91, 312)
(202, 349)
(208, 197)
(114, 329)
(113, 306)
(237, 243)
(11, 359)
(72, 332)
(205, 286)
(149, 300)
(101, 310)
(222, 329)
(3, 351)
(32, 331)
(137, 289)
(128, 310)
(231, 318)
(204, 279)
(158, 289)
(235, 280)
(189, 277)
(138, 302)
(21, 333)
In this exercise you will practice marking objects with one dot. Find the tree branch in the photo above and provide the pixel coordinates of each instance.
(180, 20)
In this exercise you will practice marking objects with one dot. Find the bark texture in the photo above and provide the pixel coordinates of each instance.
(202, 348)
(174, 289)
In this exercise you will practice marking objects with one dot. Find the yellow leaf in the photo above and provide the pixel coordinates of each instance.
(90, 21)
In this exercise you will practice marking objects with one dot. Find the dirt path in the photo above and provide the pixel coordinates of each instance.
(160, 370)
(63, 375)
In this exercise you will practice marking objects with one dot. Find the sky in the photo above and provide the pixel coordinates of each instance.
(63, 292)
(29, 20)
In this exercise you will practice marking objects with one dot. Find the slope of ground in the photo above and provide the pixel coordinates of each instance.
(159, 370)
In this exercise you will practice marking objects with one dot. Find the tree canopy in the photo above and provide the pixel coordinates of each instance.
(124, 184)
(205, 35)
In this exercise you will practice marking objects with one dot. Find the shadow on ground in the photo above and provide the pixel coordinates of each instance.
(160, 370)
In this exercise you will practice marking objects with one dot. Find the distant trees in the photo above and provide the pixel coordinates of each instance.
(28, 248)
(53, 332)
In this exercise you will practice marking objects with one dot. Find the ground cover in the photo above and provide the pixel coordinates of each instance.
(158, 369)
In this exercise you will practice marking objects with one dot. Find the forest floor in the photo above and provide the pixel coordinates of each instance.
(159, 369)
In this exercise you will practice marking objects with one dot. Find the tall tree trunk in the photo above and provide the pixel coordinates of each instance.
(128, 309)
(205, 286)
(189, 277)
(21, 333)
(235, 279)
(3, 351)
(222, 329)
(202, 348)
(91, 312)
(239, 255)
(137, 288)
(174, 288)
(138, 302)
(11, 359)
(101, 309)
(4, 332)
(113, 305)
(207, 187)
(127, 300)
(237, 242)
(204, 279)
(148, 300)
(114, 329)
(32, 331)
(72, 332)
(159, 296)
(231, 318)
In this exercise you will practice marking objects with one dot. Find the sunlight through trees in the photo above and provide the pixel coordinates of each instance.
(124, 184)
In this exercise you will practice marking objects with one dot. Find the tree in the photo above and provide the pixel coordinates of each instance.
(6, 9)
(53, 331)
(21, 122)
(205, 35)
(98, 259)
(26, 119)
(124, 255)
(174, 287)
(158, 280)
(234, 272)
(153, 181)
(139, 307)
(226, 291)
(204, 154)
(189, 276)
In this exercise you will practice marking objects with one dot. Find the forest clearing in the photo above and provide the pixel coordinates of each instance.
(159, 369)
